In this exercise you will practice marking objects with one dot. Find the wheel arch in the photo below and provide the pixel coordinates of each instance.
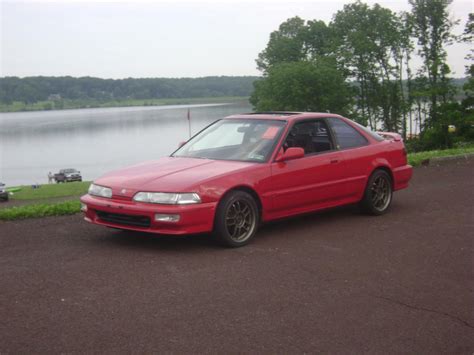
(251, 192)
(387, 170)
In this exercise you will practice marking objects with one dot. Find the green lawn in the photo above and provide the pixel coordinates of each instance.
(40, 210)
(415, 159)
(51, 190)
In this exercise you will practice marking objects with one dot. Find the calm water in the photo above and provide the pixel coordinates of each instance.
(95, 141)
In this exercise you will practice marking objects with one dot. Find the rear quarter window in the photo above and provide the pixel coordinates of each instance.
(346, 135)
(367, 130)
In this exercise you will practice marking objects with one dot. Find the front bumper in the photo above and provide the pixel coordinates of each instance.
(195, 218)
(73, 178)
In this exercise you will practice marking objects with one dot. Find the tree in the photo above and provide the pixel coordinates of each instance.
(466, 128)
(303, 86)
(369, 42)
(296, 40)
(285, 45)
(467, 37)
(432, 27)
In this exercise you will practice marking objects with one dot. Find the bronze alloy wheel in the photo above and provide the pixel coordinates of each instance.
(237, 219)
(378, 193)
(240, 220)
(381, 193)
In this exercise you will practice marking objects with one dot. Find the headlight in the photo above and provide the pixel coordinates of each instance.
(166, 198)
(101, 191)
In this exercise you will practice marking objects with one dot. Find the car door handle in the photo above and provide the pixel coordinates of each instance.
(334, 161)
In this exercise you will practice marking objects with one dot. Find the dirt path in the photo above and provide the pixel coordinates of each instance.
(334, 282)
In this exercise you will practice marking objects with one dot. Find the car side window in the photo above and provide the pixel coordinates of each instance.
(312, 136)
(346, 135)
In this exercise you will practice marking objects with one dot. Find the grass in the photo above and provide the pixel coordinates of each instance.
(40, 210)
(67, 104)
(415, 159)
(51, 191)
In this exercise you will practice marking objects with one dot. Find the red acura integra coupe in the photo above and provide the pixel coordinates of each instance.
(247, 169)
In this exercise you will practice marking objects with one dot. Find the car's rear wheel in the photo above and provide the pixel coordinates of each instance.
(236, 219)
(378, 193)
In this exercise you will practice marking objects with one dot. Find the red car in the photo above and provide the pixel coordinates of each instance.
(247, 169)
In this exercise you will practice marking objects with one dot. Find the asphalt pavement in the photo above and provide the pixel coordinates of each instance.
(331, 282)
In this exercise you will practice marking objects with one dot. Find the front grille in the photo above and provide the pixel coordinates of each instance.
(124, 219)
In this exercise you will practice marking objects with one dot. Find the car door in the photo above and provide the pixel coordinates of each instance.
(357, 153)
(310, 182)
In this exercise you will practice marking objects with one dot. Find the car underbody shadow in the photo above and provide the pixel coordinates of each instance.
(158, 241)
(292, 225)
(296, 224)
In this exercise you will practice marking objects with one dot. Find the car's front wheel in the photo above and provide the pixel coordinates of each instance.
(237, 219)
(378, 193)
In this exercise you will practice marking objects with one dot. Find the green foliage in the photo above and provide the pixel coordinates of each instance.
(303, 86)
(296, 40)
(370, 43)
(286, 45)
(40, 210)
(371, 48)
(438, 136)
(366, 43)
(432, 27)
(52, 190)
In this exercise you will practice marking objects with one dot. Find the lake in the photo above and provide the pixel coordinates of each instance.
(95, 141)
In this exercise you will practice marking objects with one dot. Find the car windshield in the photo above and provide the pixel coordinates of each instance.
(244, 140)
(69, 171)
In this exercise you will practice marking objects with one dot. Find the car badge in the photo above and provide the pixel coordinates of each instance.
(123, 191)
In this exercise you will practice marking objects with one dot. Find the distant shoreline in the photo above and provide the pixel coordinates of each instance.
(67, 104)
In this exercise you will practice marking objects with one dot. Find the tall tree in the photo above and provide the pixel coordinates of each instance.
(467, 37)
(368, 45)
(432, 27)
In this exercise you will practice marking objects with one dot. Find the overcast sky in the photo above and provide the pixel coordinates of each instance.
(160, 38)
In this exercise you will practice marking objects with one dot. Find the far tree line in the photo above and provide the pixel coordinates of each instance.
(42, 88)
(361, 64)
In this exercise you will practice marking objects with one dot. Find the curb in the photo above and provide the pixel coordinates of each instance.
(443, 160)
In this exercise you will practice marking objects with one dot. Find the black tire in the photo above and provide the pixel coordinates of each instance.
(237, 219)
(378, 194)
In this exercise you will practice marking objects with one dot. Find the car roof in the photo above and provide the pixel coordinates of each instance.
(282, 115)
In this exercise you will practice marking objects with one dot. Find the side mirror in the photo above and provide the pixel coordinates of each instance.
(181, 144)
(290, 154)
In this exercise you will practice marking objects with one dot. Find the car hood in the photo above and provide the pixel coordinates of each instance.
(170, 174)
